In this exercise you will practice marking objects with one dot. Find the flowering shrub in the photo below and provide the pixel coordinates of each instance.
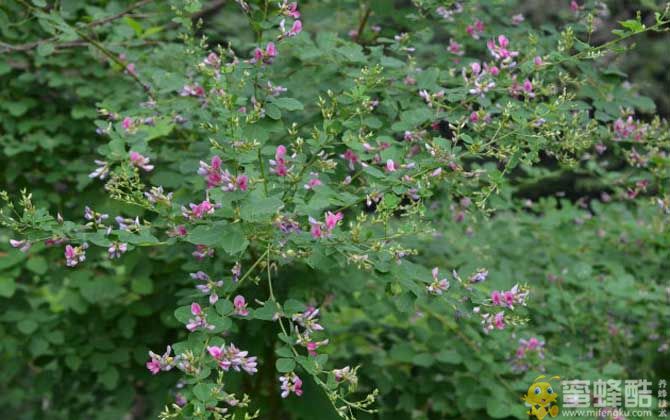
(300, 216)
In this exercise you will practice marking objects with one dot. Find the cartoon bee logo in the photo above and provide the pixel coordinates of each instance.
(541, 399)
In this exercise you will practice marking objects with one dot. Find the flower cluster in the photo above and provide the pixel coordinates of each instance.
(230, 357)
(216, 176)
(207, 286)
(75, 254)
(515, 296)
(290, 383)
(320, 230)
(438, 286)
(200, 320)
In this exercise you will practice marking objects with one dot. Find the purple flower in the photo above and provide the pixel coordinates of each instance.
(438, 286)
(202, 251)
(75, 254)
(198, 211)
(290, 383)
(308, 319)
(199, 321)
(160, 363)
(232, 357)
(101, 171)
(117, 249)
(240, 305)
(140, 161)
(23, 245)
(208, 287)
(279, 163)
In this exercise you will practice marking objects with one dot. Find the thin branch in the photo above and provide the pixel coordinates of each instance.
(5, 48)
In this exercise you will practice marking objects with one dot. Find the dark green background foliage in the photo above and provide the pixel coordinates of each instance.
(74, 342)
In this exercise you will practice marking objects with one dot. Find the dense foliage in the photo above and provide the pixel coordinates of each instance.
(376, 210)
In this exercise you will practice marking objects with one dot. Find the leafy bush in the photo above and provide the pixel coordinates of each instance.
(356, 217)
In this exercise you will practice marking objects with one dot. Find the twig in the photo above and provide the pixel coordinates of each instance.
(5, 48)
(363, 22)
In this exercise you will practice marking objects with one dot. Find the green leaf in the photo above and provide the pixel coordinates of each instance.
(37, 265)
(230, 237)
(183, 314)
(292, 306)
(46, 48)
(7, 287)
(258, 209)
(449, 356)
(137, 27)
(27, 326)
(142, 285)
(284, 365)
(273, 111)
(224, 307)
(497, 408)
(266, 312)
(288, 104)
(109, 378)
(98, 289)
(204, 391)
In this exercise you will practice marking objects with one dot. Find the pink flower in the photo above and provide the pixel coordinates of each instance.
(474, 117)
(127, 123)
(23, 245)
(140, 161)
(313, 182)
(271, 50)
(574, 6)
(290, 383)
(475, 30)
(528, 88)
(493, 70)
(351, 158)
(242, 182)
(199, 321)
(232, 357)
(332, 220)
(315, 228)
(308, 320)
(538, 61)
(390, 165)
(455, 48)
(212, 60)
(75, 255)
(279, 163)
(117, 249)
(198, 211)
(499, 320)
(501, 52)
(215, 352)
(192, 90)
(517, 19)
(267, 55)
(258, 55)
(312, 346)
(202, 251)
(290, 9)
(211, 172)
(154, 366)
(438, 286)
(296, 28)
(160, 363)
(496, 298)
(240, 305)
